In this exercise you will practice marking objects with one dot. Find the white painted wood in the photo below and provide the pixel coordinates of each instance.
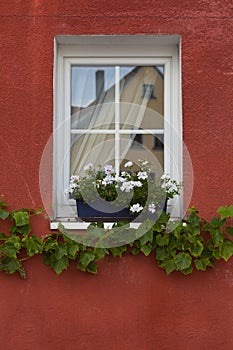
(112, 131)
(114, 50)
(69, 225)
(117, 119)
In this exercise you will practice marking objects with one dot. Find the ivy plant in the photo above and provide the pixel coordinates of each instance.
(177, 246)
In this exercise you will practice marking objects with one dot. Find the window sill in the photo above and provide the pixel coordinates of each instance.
(74, 225)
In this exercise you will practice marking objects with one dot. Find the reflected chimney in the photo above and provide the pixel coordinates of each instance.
(99, 81)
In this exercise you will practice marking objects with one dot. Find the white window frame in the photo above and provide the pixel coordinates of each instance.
(114, 50)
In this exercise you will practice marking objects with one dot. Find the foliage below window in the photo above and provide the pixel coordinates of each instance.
(193, 243)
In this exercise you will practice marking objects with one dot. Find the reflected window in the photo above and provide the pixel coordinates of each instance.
(148, 91)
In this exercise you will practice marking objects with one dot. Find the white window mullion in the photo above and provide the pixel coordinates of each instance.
(117, 118)
(167, 118)
(67, 123)
(120, 131)
(62, 137)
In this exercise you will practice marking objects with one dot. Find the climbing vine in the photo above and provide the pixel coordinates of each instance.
(194, 243)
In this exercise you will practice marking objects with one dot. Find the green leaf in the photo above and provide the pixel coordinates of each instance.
(118, 251)
(147, 237)
(229, 230)
(92, 268)
(183, 261)
(3, 237)
(146, 249)
(60, 251)
(226, 249)
(201, 264)
(215, 222)
(10, 250)
(64, 231)
(4, 214)
(169, 266)
(24, 230)
(216, 254)
(176, 231)
(85, 259)
(162, 253)
(3, 204)
(216, 235)
(188, 270)
(225, 212)
(21, 218)
(60, 265)
(196, 249)
(95, 232)
(11, 265)
(38, 211)
(100, 253)
(162, 240)
(72, 249)
(33, 245)
(163, 218)
(194, 220)
(172, 243)
(145, 226)
(50, 244)
(135, 250)
(49, 259)
(157, 227)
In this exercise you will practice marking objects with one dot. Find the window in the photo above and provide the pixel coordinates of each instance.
(106, 110)
(148, 90)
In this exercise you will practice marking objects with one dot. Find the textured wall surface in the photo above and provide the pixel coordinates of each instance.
(131, 304)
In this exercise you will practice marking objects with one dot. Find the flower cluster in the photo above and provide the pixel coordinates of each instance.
(136, 189)
(172, 187)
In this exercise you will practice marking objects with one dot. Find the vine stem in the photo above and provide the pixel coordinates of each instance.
(26, 258)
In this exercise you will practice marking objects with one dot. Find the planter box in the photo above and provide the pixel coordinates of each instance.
(107, 212)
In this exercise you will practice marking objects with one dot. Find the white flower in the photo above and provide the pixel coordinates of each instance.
(125, 174)
(74, 178)
(119, 179)
(128, 164)
(73, 185)
(108, 180)
(171, 188)
(137, 183)
(152, 208)
(108, 169)
(71, 188)
(136, 208)
(127, 186)
(184, 224)
(165, 177)
(88, 166)
(142, 175)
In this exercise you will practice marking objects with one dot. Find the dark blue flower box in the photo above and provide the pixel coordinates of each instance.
(107, 212)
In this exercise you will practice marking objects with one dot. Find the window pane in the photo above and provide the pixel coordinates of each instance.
(142, 97)
(101, 116)
(141, 92)
(97, 149)
(92, 97)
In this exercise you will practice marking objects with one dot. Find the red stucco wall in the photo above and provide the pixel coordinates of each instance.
(131, 304)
